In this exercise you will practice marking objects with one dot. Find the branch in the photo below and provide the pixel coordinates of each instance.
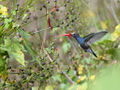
(72, 82)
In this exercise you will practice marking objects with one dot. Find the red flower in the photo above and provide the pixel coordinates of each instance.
(49, 24)
(67, 34)
(54, 8)
(56, 49)
(49, 17)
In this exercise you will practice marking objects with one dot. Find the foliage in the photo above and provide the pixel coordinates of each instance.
(36, 51)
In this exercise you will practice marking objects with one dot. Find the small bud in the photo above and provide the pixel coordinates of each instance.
(48, 1)
(66, 17)
(75, 17)
(2, 23)
(28, 17)
(72, 20)
(57, 9)
(17, 4)
(18, 17)
(40, 9)
(16, 9)
(65, 4)
(44, 6)
(62, 22)
(67, 24)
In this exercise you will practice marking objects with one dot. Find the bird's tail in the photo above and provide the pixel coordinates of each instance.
(92, 52)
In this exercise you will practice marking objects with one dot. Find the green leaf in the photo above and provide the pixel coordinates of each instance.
(15, 49)
(25, 35)
(3, 64)
(14, 12)
(49, 87)
(19, 56)
(28, 46)
(25, 15)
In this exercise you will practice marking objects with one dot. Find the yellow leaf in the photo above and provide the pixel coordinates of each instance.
(80, 69)
(49, 87)
(92, 77)
(81, 78)
(103, 24)
(3, 10)
(19, 56)
(116, 33)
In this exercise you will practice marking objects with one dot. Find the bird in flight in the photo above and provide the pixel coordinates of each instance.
(86, 41)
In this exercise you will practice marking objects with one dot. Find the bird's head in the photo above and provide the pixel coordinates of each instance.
(74, 35)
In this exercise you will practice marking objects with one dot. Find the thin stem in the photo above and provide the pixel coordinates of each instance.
(44, 36)
(70, 80)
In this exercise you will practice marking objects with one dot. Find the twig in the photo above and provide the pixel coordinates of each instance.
(72, 82)
(51, 60)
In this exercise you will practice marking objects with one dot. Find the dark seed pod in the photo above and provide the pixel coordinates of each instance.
(48, 1)
(66, 17)
(29, 13)
(48, 69)
(28, 17)
(44, 6)
(40, 9)
(30, 67)
(75, 17)
(65, 5)
(31, 81)
(72, 20)
(16, 9)
(9, 67)
(43, 75)
(23, 77)
(18, 17)
(2, 23)
(56, 63)
(25, 21)
(57, 9)
(29, 73)
(43, 63)
(62, 22)
(67, 24)
(17, 4)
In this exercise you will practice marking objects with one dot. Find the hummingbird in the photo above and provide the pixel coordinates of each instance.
(86, 41)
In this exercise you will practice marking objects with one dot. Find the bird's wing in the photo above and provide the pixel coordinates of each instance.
(88, 37)
(91, 38)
